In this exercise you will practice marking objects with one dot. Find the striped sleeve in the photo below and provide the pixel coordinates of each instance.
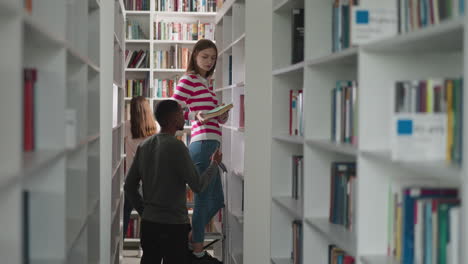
(182, 94)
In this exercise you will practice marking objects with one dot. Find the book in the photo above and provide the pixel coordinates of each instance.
(218, 111)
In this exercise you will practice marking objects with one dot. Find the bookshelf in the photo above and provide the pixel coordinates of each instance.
(53, 190)
(118, 130)
(148, 20)
(230, 88)
(435, 51)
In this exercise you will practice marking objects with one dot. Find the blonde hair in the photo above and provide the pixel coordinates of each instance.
(142, 122)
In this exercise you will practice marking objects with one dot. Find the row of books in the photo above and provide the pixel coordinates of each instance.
(297, 35)
(296, 113)
(337, 255)
(354, 24)
(134, 30)
(341, 24)
(342, 189)
(29, 82)
(135, 87)
(230, 70)
(190, 195)
(164, 30)
(174, 58)
(424, 225)
(344, 112)
(134, 227)
(414, 15)
(137, 58)
(427, 120)
(297, 241)
(297, 177)
(28, 6)
(186, 5)
(137, 5)
(165, 87)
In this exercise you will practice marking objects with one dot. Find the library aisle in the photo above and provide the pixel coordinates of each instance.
(345, 143)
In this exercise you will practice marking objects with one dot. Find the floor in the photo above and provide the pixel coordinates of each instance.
(132, 257)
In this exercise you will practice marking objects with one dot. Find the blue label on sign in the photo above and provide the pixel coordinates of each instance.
(362, 17)
(405, 127)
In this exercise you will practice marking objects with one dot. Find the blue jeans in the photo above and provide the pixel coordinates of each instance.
(209, 201)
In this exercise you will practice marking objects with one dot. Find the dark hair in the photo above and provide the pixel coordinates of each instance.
(202, 44)
(141, 119)
(164, 110)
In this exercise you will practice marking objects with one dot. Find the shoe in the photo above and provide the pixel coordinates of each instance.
(206, 259)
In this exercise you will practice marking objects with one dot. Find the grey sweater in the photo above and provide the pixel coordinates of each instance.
(164, 166)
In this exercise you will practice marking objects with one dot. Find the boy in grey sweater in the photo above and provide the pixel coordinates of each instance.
(163, 165)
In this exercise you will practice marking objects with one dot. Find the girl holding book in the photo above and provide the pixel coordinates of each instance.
(195, 92)
(140, 126)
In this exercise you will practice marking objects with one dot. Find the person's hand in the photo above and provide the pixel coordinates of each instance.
(217, 156)
(224, 116)
(200, 117)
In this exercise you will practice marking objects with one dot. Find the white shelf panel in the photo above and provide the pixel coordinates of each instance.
(282, 261)
(93, 4)
(238, 174)
(238, 129)
(345, 57)
(235, 42)
(439, 170)
(169, 70)
(284, 5)
(336, 234)
(191, 42)
(445, 37)
(294, 207)
(7, 10)
(117, 41)
(137, 12)
(137, 69)
(236, 85)
(213, 236)
(116, 210)
(38, 160)
(46, 261)
(75, 228)
(224, 9)
(239, 217)
(117, 167)
(379, 260)
(84, 59)
(329, 145)
(185, 14)
(218, 227)
(41, 31)
(289, 69)
(290, 139)
(131, 41)
(236, 258)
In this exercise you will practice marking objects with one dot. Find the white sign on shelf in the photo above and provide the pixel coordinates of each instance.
(419, 137)
(372, 23)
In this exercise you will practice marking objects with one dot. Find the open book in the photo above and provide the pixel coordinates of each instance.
(218, 111)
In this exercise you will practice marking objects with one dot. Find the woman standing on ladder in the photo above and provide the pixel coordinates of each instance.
(195, 92)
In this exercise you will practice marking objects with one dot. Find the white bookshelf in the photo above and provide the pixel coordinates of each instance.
(433, 52)
(230, 40)
(147, 19)
(63, 173)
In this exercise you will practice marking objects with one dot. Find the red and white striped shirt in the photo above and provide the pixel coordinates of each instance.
(195, 92)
